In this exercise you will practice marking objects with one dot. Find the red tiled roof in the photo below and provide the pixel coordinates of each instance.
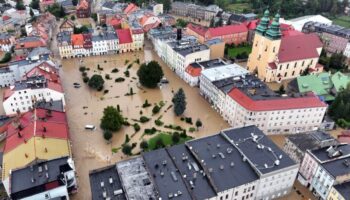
(55, 125)
(30, 44)
(124, 36)
(44, 69)
(137, 31)
(273, 65)
(83, 5)
(130, 8)
(77, 39)
(227, 30)
(344, 139)
(245, 101)
(148, 27)
(193, 71)
(251, 25)
(299, 47)
(5, 17)
(200, 30)
(288, 33)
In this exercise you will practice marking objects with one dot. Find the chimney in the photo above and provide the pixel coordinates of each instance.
(179, 34)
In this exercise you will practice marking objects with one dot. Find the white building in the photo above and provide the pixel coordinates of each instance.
(24, 94)
(44, 180)
(137, 35)
(99, 45)
(326, 167)
(298, 23)
(64, 43)
(156, 8)
(6, 42)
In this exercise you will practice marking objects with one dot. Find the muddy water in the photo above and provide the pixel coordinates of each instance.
(89, 149)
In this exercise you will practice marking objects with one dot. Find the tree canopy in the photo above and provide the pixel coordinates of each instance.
(57, 10)
(96, 82)
(112, 120)
(179, 101)
(339, 110)
(150, 74)
(20, 5)
(35, 4)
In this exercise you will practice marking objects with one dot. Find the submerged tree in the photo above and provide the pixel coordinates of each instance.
(179, 101)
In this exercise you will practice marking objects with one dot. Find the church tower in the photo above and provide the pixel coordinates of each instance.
(267, 41)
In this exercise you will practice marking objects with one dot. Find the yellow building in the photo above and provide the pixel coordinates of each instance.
(276, 58)
(35, 136)
(340, 192)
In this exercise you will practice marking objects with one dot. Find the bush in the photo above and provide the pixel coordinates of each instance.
(188, 120)
(136, 127)
(82, 68)
(146, 104)
(127, 149)
(107, 77)
(107, 135)
(150, 131)
(183, 134)
(115, 70)
(192, 129)
(158, 122)
(127, 73)
(129, 66)
(155, 109)
(175, 137)
(112, 119)
(120, 79)
(144, 119)
(150, 74)
(144, 145)
(86, 79)
(127, 139)
(199, 123)
(99, 67)
(84, 73)
(96, 82)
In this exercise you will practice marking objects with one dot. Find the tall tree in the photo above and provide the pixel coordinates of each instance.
(20, 5)
(96, 82)
(179, 101)
(35, 4)
(334, 9)
(150, 74)
(111, 120)
(75, 2)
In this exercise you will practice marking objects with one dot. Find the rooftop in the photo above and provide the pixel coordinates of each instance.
(216, 71)
(136, 180)
(266, 157)
(311, 140)
(105, 183)
(223, 163)
(330, 153)
(344, 190)
(167, 179)
(124, 36)
(190, 168)
(185, 47)
(38, 177)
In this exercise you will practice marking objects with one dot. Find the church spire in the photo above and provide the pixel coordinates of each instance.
(264, 22)
(274, 31)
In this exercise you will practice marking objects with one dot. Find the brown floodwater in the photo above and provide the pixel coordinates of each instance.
(90, 150)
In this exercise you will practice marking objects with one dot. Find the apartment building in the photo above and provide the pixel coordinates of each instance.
(7, 41)
(83, 9)
(64, 43)
(217, 167)
(340, 192)
(296, 145)
(49, 179)
(230, 34)
(21, 96)
(276, 58)
(194, 11)
(324, 169)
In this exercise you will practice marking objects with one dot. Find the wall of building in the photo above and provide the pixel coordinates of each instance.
(322, 182)
(334, 195)
(217, 50)
(53, 193)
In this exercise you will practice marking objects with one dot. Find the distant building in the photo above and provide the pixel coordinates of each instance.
(325, 85)
(233, 164)
(299, 23)
(7, 41)
(25, 44)
(230, 34)
(156, 8)
(217, 48)
(64, 44)
(296, 145)
(51, 179)
(236, 18)
(83, 9)
(125, 40)
(276, 58)
(341, 192)
(194, 11)
(67, 26)
(326, 168)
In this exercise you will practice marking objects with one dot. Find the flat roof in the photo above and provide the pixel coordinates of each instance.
(166, 177)
(265, 155)
(325, 154)
(224, 71)
(310, 140)
(135, 179)
(223, 163)
(105, 181)
(196, 179)
(36, 178)
(186, 50)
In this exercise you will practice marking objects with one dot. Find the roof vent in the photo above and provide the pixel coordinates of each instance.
(346, 163)
(221, 167)
(214, 155)
(110, 180)
(46, 167)
(229, 150)
(161, 173)
(210, 170)
(232, 164)
(47, 175)
(280, 157)
(33, 179)
(40, 169)
(277, 162)
(218, 146)
(266, 166)
(221, 155)
(102, 184)
(244, 158)
(164, 162)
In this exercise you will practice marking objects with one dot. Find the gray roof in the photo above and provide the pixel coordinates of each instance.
(32, 179)
(108, 177)
(167, 179)
(33, 82)
(223, 163)
(4, 36)
(51, 105)
(64, 37)
(213, 41)
(184, 51)
(344, 190)
(339, 167)
(311, 140)
(39, 51)
(188, 166)
(4, 119)
(323, 154)
(264, 154)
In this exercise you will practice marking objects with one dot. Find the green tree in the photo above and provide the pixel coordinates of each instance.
(345, 4)
(181, 23)
(334, 9)
(159, 143)
(179, 101)
(127, 149)
(150, 74)
(7, 57)
(75, 2)
(111, 120)
(35, 4)
(340, 108)
(222, 3)
(175, 137)
(82, 29)
(31, 13)
(337, 61)
(166, 5)
(20, 5)
(94, 16)
(107, 135)
(96, 82)
(144, 145)
(198, 123)
(72, 17)
(212, 22)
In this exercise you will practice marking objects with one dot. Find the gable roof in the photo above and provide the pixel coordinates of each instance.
(124, 36)
(227, 30)
(200, 30)
(299, 47)
(130, 8)
(77, 39)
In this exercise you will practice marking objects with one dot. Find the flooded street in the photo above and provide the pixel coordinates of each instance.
(85, 106)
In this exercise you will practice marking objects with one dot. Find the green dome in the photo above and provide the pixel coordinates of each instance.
(274, 31)
(264, 22)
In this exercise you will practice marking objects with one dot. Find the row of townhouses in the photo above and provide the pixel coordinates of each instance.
(221, 166)
(184, 9)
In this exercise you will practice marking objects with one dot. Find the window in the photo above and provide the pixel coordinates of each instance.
(287, 66)
(293, 73)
